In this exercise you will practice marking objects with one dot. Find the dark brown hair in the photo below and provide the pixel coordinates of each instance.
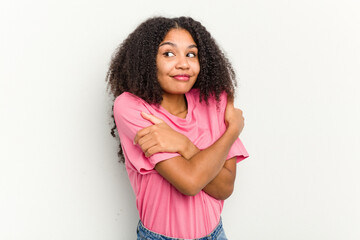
(133, 65)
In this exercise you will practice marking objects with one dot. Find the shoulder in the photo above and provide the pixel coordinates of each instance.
(128, 108)
(127, 102)
(220, 104)
(126, 99)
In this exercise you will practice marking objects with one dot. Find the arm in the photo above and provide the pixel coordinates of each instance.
(190, 176)
(219, 178)
(222, 186)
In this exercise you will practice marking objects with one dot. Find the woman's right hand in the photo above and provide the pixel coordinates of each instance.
(233, 117)
(160, 137)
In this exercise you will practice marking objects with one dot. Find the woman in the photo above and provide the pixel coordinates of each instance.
(178, 131)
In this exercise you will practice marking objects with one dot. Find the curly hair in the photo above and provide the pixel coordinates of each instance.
(133, 65)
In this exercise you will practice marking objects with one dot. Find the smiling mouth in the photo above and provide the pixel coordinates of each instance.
(183, 77)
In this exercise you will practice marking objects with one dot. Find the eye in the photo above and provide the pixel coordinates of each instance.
(192, 55)
(168, 54)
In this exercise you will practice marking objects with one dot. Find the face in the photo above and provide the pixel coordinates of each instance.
(177, 62)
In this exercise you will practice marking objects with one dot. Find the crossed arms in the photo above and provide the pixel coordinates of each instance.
(194, 170)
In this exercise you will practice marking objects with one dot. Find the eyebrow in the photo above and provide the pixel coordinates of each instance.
(174, 45)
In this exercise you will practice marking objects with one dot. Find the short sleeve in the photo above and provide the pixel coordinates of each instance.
(127, 114)
(237, 149)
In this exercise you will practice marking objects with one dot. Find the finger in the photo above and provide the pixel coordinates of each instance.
(152, 150)
(141, 133)
(146, 146)
(144, 139)
(151, 118)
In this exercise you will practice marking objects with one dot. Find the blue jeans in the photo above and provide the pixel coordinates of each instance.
(145, 234)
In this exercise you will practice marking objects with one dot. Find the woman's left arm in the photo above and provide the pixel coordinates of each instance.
(162, 138)
(222, 186)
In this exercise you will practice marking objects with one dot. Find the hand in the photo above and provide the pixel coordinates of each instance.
(159, 137)
(233, 116)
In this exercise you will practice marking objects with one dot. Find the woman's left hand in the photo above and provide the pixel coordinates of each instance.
(161, 138)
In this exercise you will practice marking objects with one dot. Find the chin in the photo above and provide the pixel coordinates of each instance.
(176, 92)
(178, 87)
(180, 91)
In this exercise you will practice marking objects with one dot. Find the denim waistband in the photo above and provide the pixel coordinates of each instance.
(152, 235)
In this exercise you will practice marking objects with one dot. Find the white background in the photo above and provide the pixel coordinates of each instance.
(297, 64)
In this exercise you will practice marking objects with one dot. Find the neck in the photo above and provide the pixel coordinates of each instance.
(175, 104)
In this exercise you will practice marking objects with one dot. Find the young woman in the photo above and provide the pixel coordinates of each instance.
(178, 127)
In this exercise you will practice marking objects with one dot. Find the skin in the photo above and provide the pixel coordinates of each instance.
(162, 138)
(194, 170)
(177, 55)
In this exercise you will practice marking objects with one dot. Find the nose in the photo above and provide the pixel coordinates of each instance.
(182, 63)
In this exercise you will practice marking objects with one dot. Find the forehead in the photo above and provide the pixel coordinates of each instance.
(179, 36)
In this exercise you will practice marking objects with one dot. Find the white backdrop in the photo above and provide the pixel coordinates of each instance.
(297, 64)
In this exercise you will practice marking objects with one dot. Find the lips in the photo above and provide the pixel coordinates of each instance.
(182, 77)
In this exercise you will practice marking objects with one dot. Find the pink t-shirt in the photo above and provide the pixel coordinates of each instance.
(162, 208)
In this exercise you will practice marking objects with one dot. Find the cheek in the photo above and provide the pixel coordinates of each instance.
(196, 68)
(163, 68)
